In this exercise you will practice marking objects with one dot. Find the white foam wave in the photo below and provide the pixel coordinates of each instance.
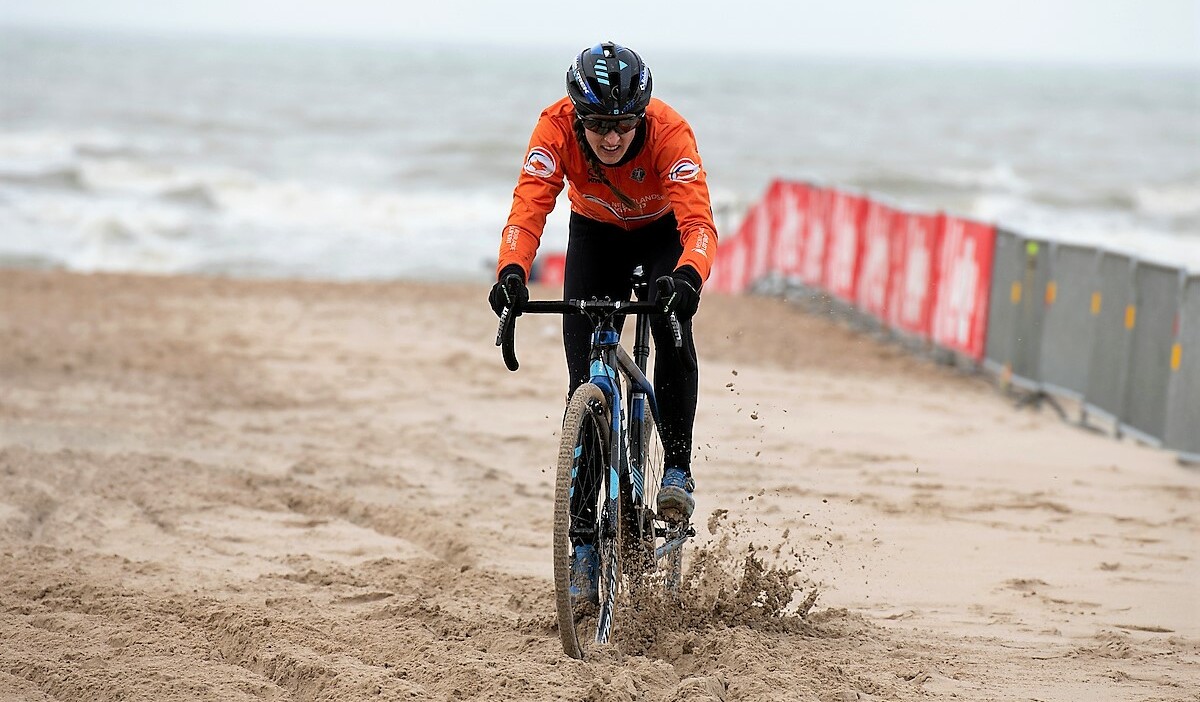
(1169, 200)
(34, 152)
(142, 218)
(1106, 230)
(147, 179)
(998, 177)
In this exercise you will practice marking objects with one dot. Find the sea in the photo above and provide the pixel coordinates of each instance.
(344, 160)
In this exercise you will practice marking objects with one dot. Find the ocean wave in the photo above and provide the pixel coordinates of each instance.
(231, 222)
(1175, 202)
(1116, 200)
(196, 195)
(56, 158)
(998, 177)
(38, 148)
(60, 177)
(1121, 232)
(132, 240)
(1180, 199)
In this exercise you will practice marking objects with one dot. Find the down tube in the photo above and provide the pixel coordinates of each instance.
(605, 377)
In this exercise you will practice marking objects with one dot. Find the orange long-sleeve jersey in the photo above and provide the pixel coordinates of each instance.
(664, 176)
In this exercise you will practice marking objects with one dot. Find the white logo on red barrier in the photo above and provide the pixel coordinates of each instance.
(916, 282)
(876, 260)
(842, 264)
(760, 235)
(960, 310)
(790, 216)
(909, 297)
(812, 259)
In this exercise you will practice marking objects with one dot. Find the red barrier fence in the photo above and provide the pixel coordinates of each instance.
(815, 239)
(845, 243)
(876, 268)
(926, 275)
(965, 268)
(789, 218)
(914, 272)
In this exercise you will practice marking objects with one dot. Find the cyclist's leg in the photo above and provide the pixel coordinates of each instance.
(597, 265)
(675, 385)
(676, 389)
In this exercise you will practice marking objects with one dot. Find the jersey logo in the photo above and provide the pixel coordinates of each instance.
(638, 174)
(684, 170)
(511, 236)
(540, 163)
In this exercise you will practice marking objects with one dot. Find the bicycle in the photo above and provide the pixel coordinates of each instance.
(610, 464)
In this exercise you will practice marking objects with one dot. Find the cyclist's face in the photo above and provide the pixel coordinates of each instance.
(611, 147)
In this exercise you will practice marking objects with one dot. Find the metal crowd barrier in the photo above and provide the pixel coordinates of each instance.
(1118, 335)
(1109, 363)
(1069, 326)
(1003, 301)
(1020, 274)
(1151, 326)
(1183, 395)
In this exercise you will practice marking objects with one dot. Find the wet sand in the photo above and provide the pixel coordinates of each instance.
(247, 490)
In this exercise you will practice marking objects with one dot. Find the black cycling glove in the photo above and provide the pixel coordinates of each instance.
(679, 292)
(509, 290)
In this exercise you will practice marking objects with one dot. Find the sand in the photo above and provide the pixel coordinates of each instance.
(240, 490)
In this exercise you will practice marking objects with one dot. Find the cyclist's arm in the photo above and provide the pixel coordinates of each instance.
(538, 186)
(678, 164)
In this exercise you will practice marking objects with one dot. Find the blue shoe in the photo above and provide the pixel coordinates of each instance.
(675, 502)
(585, 574)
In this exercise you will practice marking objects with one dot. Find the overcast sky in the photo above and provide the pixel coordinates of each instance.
(1090, 31)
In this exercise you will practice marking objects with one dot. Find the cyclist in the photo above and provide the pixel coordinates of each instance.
(638, 197)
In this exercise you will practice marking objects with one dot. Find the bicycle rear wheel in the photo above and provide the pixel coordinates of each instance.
(578, 508)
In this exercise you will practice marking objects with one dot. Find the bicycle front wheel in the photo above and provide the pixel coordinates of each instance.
(578, 512)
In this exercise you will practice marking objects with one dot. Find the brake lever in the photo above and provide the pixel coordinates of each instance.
(506, 338)
(687, 359)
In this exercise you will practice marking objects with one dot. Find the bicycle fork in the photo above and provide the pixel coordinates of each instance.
(604, 376)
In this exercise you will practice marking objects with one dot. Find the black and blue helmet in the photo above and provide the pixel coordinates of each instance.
(609, 79)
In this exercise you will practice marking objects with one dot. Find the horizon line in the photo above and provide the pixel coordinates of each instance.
(382, 38)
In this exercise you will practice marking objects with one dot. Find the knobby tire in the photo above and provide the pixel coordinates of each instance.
(585, 426)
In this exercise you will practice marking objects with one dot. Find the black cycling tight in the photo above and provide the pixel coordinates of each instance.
(600, 262)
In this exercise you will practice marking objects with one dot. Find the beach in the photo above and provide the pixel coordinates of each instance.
(220, 489)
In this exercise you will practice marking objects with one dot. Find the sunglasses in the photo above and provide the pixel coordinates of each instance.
(622, 124)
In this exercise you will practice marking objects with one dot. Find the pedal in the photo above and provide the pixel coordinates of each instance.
(671, 516)
(676, 530)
